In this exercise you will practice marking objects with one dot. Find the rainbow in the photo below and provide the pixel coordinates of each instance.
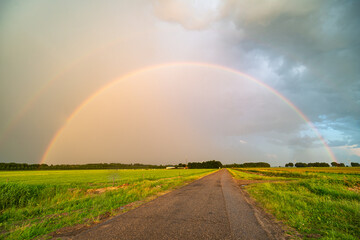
(184, 64)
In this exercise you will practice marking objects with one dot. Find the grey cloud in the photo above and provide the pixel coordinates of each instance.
(189, 14)
(322, 36)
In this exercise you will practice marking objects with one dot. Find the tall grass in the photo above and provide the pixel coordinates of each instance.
(247, 175)
(319, 204)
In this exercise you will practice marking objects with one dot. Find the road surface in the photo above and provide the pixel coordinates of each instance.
(210, 208)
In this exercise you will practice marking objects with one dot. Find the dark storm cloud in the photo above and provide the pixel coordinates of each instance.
(318, 45)
(320, 36)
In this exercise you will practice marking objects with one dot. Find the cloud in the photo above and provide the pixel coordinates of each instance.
(317, 44)
(192, 15)
(271, 156)
(351, 149)
(248, 11)
(355, 151)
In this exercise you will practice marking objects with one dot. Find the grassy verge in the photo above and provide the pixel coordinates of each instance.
(319, 204)
(244, 175)
(35, 203)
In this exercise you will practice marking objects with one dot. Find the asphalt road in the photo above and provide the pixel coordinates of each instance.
(210, 208)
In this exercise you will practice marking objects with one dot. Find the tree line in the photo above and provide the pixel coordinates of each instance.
(320, 164)
(248, 165)
(206, 164)
(25, 166)
(192, 165)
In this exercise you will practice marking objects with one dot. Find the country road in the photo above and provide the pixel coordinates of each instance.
(210, 208)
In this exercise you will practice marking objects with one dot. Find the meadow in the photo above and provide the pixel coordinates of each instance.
(320, 203)
(36, 203)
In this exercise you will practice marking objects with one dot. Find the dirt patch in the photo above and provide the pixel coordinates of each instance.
(354, 189)
(276, 229)
(313, 236)
(102, 190)
(3, 232)
(69, 231)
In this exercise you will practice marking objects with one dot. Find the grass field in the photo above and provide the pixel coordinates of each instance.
(35, 203)
(320, 203)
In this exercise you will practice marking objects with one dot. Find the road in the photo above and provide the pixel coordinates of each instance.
(210, 208)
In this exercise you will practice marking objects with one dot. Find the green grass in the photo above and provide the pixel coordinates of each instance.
(244, 175)
(35, 203)
(319, 204)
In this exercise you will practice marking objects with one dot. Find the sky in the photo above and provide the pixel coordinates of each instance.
(175, 81)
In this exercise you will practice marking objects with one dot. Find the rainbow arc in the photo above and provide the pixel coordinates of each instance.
(185, 64)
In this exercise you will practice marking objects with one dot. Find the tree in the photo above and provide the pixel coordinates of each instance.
(207, 164)
(318, 164)
(248, 165)
(354, 164)
(300, 164)
(289, 164)
(334, 164)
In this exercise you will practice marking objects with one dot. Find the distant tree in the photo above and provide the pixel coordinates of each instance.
(207, 164)
(24, 166)
(354, 164)
(300, 164)
(289, 164)
(234, 165)
(318, 164)
(335, 164)
(248, 165)
(256, 164)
